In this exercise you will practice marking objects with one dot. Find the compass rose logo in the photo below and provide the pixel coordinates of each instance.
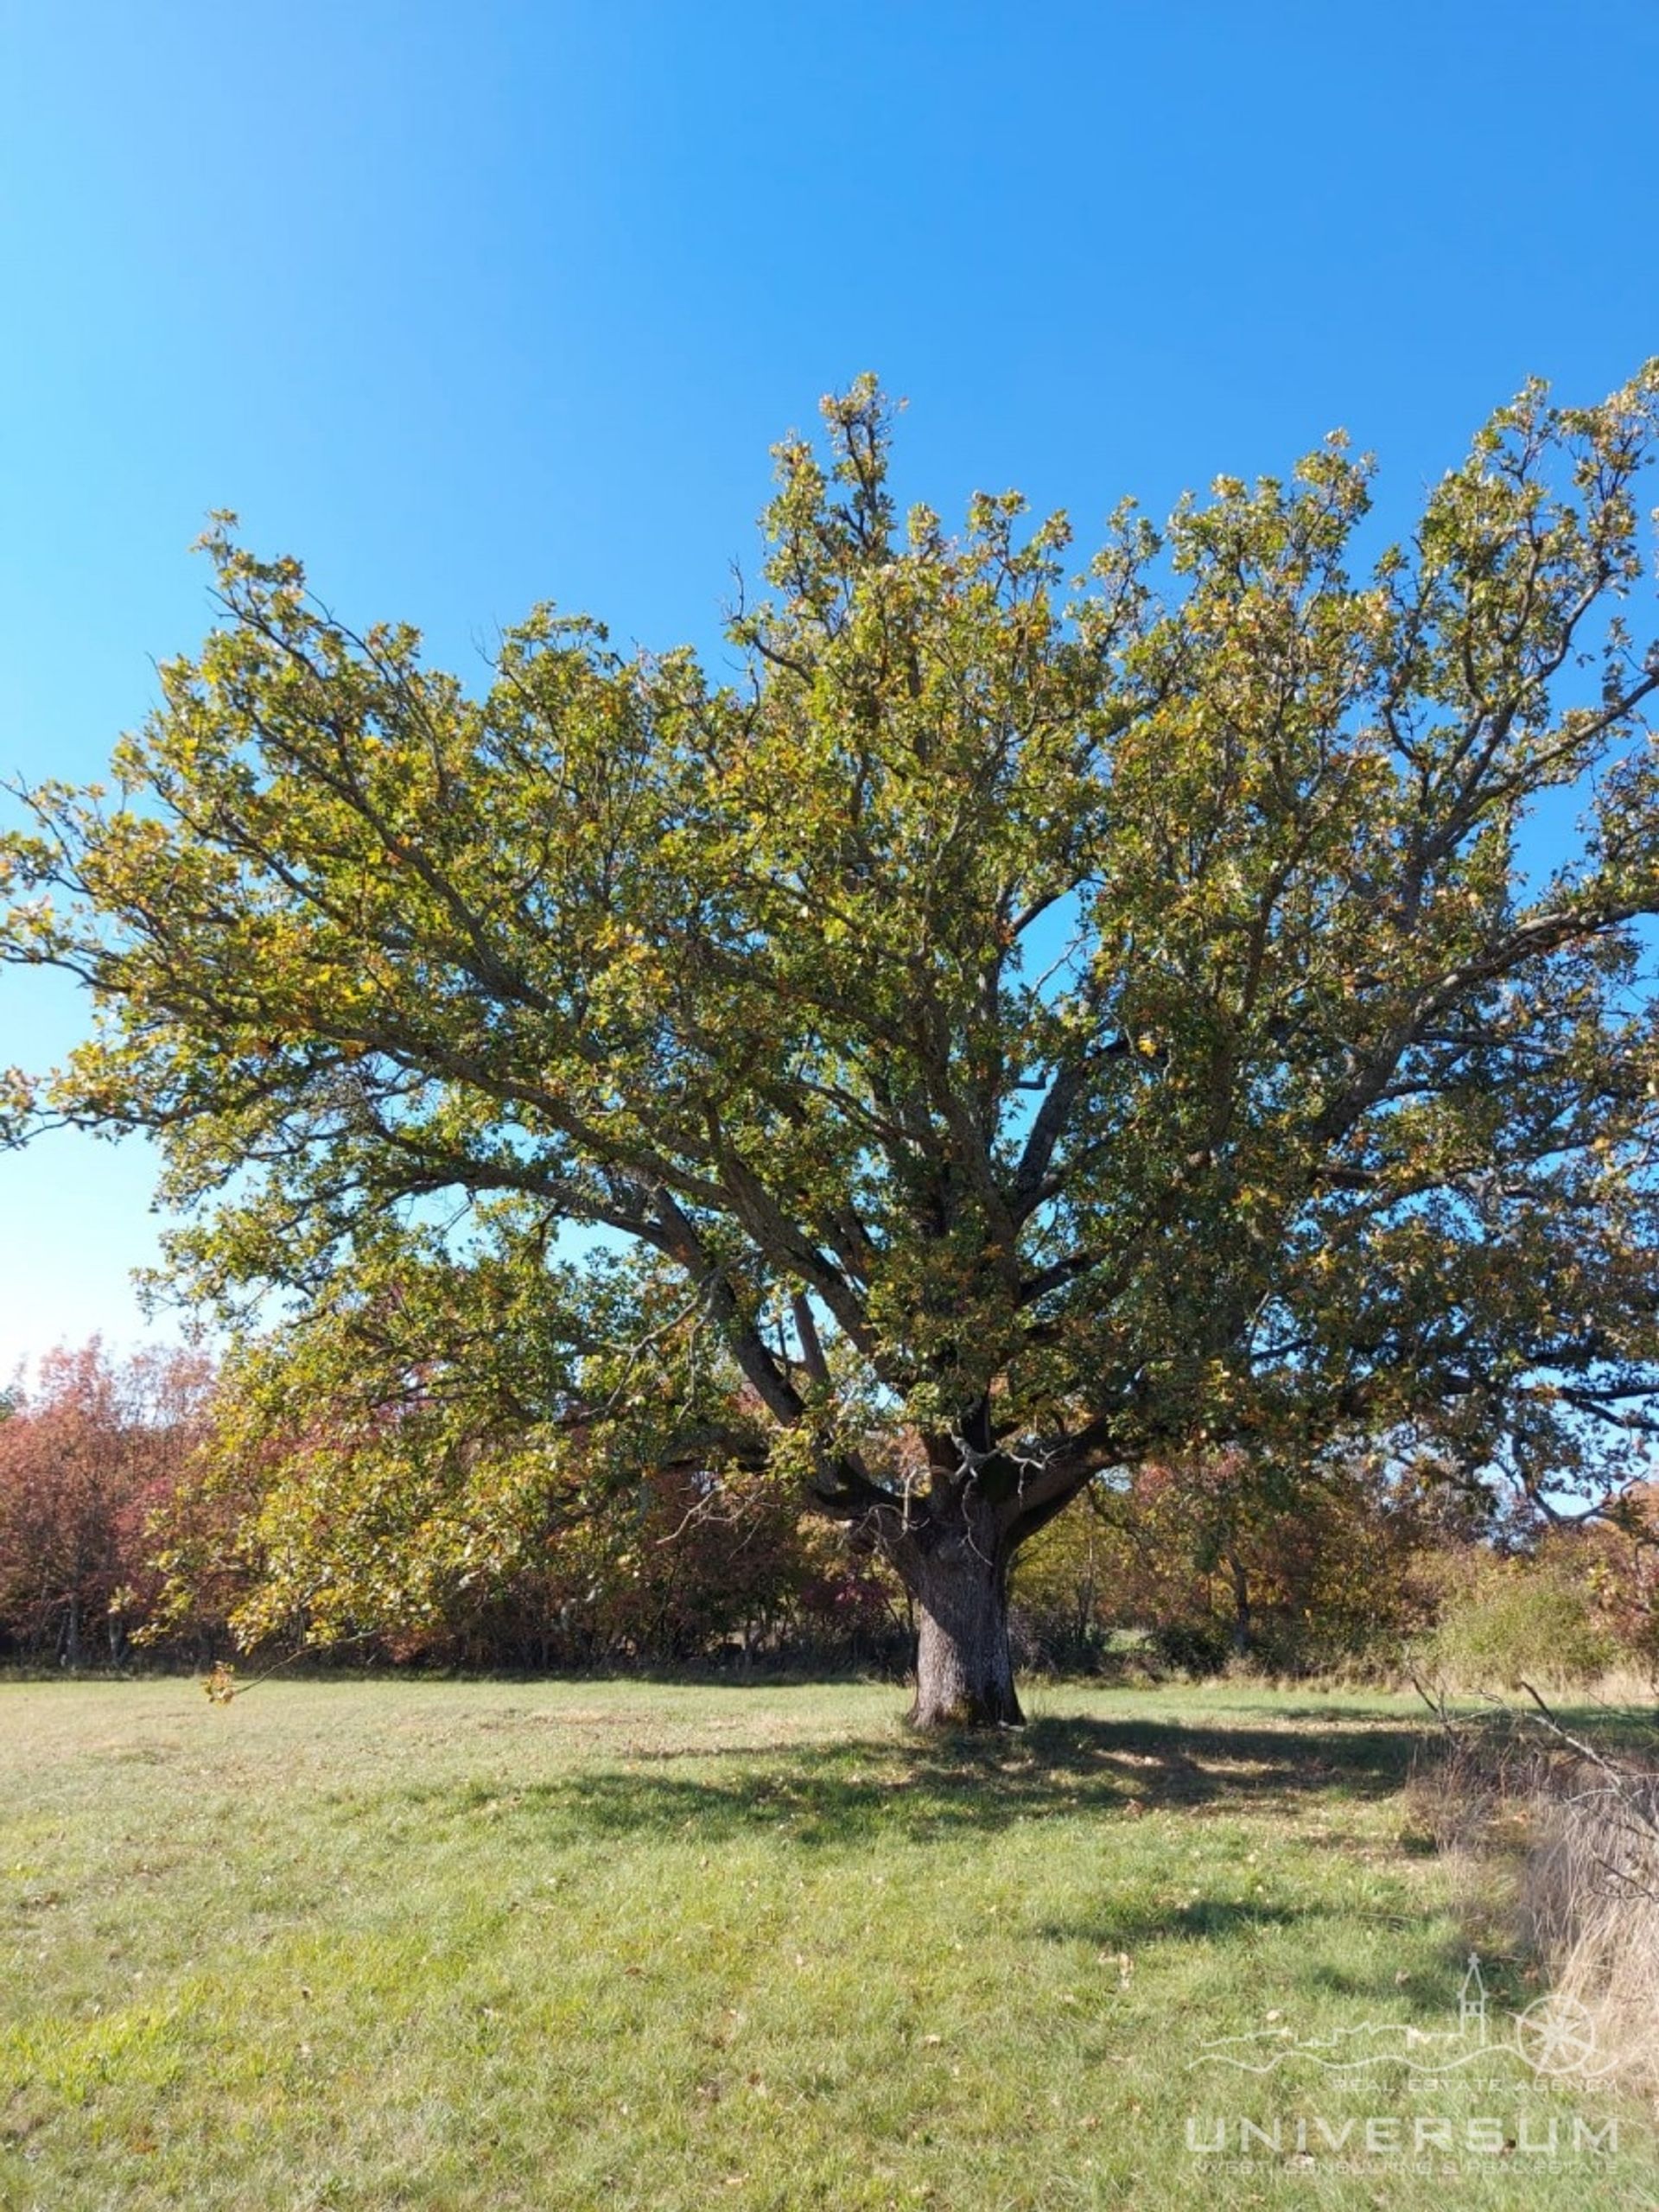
(1556, 2035)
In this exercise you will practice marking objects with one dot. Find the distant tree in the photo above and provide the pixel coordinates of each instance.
(1026, 1024)
(1206, 1559)
(87, 1456)
(1293, 1567)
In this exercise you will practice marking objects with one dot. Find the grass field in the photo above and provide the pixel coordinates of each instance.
(372, 1944)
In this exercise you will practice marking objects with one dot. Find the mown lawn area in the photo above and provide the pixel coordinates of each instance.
(381, 1944)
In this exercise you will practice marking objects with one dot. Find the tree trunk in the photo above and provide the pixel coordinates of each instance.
(1241, 1607)
(964, 1668)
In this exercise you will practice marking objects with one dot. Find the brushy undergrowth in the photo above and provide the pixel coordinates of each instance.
(1590, 1899)
(378, 1944)
(1589, 1876)
(1567, 1817)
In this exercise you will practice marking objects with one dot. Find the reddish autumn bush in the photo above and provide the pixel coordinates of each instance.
(87, 1455)
(1615, 1561)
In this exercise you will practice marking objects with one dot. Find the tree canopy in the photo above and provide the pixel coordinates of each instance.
(1043, 1014)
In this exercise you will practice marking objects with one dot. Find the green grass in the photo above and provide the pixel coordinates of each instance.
(373, 1944)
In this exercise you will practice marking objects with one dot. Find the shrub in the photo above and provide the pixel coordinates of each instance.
(1519, 1620)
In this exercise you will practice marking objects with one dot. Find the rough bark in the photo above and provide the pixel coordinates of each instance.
(964, 1667)
(952, 1551)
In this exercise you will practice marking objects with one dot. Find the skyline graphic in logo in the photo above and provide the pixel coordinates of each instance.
(1554, 2037)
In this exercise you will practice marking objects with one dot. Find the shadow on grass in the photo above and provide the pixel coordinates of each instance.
(840, 1794)
(1129, 1929)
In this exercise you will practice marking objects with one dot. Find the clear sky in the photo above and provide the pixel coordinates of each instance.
(472, 306)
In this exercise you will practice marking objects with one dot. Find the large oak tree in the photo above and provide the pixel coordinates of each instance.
(1027, 1023)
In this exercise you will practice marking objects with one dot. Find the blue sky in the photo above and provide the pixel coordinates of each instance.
(472, 307)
